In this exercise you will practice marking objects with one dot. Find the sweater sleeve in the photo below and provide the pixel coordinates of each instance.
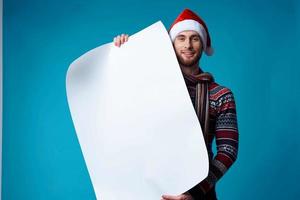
(226, 132)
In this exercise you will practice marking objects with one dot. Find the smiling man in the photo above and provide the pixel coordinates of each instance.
(188, 48)
(213, 103)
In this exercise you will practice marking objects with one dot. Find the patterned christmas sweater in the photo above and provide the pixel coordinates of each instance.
(222, 127)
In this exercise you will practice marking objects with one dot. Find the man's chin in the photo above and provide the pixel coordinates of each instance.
(187, 63)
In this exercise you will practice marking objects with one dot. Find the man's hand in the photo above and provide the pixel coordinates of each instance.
(120, 39)
(179, 197)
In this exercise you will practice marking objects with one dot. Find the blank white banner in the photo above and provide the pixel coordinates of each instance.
(134, 119)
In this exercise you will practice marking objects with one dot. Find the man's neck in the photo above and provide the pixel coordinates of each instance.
(190, 70)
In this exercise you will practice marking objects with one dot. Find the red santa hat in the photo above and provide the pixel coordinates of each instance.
(189, 21)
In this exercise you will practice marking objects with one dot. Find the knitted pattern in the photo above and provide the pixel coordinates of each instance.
(223, 127)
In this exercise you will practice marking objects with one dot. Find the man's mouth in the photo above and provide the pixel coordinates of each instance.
(188, 53)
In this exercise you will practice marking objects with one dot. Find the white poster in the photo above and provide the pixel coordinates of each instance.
(134, 119)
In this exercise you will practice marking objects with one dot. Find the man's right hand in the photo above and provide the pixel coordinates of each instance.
(120, 39)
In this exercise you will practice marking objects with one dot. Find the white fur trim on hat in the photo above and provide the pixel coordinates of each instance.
(191, 25)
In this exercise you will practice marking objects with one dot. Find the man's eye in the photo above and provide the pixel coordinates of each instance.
(196, 39)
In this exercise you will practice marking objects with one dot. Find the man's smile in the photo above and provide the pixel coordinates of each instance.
(188, 53)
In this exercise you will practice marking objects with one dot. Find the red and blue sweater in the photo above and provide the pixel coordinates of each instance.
(222, 127)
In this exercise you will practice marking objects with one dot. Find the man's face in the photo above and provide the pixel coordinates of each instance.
(188, 47)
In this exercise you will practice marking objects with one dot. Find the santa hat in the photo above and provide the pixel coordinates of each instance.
(189, 21)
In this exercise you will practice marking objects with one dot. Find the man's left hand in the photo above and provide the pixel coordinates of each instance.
(179, 197)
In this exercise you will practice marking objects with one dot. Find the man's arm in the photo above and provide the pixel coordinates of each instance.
(227, 143)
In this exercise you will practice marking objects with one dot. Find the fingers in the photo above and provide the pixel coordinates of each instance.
(120, 39)
(170, 197)
(117, 41)
(178, 197)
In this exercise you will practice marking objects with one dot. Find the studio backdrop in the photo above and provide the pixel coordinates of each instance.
(256, 55)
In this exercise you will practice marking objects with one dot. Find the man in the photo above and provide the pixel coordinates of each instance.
(190, 38)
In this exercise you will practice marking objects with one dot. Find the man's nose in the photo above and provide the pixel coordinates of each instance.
(187, 44)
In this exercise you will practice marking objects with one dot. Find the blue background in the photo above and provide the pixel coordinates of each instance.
(256, 54)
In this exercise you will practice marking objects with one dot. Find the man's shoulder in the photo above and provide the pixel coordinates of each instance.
(217, 91)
